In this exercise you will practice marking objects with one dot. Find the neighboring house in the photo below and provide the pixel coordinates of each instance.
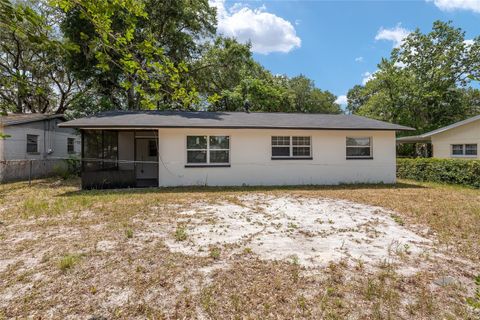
(153, 148)
(458, 140)
(35, 145)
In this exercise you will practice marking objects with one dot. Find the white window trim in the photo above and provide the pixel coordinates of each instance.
(291, 146)
(208, 163)
(464, 150)
(370, 157)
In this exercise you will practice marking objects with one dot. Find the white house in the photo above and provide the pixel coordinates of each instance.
(152, 148)
(34, 145)
(459, 140)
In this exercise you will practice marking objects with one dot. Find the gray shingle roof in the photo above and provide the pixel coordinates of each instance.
(203, 119)
(13, 119)
(427, 136)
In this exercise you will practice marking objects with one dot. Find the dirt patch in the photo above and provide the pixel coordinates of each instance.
(313, 231)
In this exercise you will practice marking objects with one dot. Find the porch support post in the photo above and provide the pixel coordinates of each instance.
(158, 156)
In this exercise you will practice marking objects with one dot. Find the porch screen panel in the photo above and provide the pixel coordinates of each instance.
(100, 150)
(110, 149)
(92, 150)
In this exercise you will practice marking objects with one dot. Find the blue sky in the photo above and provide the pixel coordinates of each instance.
(335, 43)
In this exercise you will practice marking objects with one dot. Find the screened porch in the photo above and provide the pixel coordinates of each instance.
(119, 158)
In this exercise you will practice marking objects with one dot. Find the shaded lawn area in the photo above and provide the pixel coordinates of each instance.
(66, 252)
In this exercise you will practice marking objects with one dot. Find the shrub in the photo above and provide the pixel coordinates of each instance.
(454, 171)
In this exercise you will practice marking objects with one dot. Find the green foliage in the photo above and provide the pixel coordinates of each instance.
(474, 301)
(33, 74)
(136, 52)
(454, 171)
(425, 83)
(68, 168)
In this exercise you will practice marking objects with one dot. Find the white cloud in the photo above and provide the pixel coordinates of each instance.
(367, 76)
(341, 100)
(451, 5)
(266, 31)
(359, 59)
(469, 42)
(397, 35)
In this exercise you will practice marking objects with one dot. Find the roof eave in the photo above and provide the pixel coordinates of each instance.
(80, 126)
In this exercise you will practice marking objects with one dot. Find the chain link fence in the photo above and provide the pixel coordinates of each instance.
(28, 169)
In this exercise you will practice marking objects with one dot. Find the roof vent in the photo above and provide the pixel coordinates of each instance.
(246, 106)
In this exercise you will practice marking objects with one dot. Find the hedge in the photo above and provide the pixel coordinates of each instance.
(455, 171)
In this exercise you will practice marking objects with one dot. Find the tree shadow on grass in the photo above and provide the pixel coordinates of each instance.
(209, 189)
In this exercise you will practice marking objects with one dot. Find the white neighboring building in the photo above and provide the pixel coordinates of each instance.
(457, 141)
(153, 148)
(34, 145)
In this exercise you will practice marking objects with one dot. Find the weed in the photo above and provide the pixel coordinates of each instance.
(129, 233)
(397, 219)
(247, 250)
(215, 253)
(68, 261)
(474, 301)
(181, 233)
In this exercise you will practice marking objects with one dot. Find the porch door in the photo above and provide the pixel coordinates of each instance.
(146, 165)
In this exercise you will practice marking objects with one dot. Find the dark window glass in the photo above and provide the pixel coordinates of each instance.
(457, 149)
(32, 143)
(359, 147)
(217, 156)
(358, 152)
(70, 145)
(219, 142)
(281, 141)
(152, 148)
(196, 142)
(197, 156)
(301, 151)
(471, 149)
(351, 142)
(280, 151)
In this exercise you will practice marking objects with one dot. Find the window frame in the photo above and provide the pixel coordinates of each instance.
(464, 150)
(72, 144)
(291, 147)
(36, 143)
(207, 162)
(369, 157)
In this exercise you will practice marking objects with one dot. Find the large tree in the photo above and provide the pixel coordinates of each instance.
(33, 74)
(425, 82)
(137, 52)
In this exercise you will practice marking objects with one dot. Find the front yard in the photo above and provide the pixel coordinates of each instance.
(362, 252)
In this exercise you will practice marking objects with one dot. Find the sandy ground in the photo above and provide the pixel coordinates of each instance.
(254, 255)
(313, 231)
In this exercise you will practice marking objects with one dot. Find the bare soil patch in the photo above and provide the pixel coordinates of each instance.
(357, 252)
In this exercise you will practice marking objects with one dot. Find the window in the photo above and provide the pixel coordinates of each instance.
(208, 150)
(71, 145)
(287, 147)
(471, 149)
(359, 148)
(32, 143)
(464, 149)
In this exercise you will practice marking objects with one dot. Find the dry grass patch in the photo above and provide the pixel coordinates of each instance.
(82, 254)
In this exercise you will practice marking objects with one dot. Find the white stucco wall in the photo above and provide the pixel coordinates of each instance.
(466, 134)
(251, 164)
